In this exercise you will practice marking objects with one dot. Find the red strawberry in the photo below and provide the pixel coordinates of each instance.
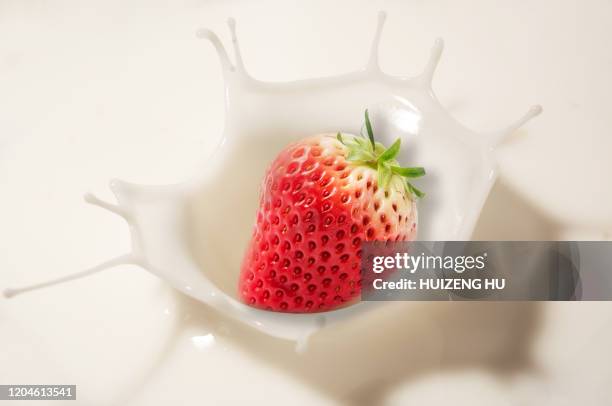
(321, 197)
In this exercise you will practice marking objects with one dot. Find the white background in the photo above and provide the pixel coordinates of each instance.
(94, 90)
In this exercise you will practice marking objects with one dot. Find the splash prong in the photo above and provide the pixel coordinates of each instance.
(500, 136)
(426, 76)
(96, 201)
(125, 259)
(209, 35)
(231, 23)
(373, 60)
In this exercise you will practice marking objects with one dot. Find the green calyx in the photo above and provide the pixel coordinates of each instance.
(366, 151)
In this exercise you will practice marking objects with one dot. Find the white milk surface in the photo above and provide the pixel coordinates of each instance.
(121, 91)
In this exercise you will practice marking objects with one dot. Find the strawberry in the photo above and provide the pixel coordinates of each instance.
(320, 199)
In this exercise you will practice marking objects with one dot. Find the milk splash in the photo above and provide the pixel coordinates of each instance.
(193, 234)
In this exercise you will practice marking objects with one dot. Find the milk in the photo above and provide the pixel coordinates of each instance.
(192, 234)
